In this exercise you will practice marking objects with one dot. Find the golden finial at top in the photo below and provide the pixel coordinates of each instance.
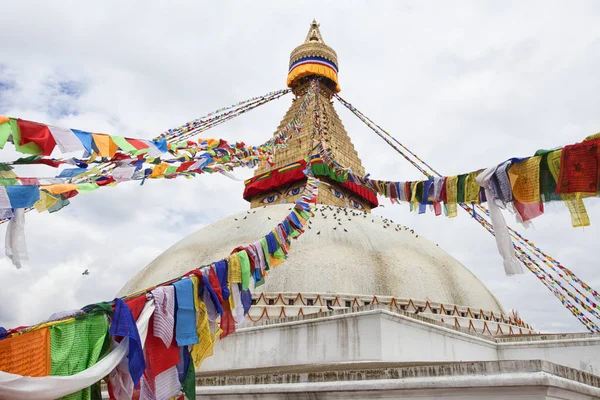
(314, 34)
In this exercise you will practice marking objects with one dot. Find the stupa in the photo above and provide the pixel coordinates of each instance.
(363, 306)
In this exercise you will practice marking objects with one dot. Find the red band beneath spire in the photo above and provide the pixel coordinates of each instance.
(294, 173)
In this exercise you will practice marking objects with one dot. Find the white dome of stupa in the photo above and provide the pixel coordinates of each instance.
(362, 256)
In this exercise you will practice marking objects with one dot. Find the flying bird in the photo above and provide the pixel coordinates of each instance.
(86, 272)
(318, 233)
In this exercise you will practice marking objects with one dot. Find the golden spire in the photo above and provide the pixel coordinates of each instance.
(314, 34)
(283, 181)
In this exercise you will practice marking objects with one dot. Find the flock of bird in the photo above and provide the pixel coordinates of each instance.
(340, 214)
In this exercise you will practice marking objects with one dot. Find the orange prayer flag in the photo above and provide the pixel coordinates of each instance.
(105, 145)
(27, 354)
(60, 188)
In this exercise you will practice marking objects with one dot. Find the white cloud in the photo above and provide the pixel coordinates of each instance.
(464, 85)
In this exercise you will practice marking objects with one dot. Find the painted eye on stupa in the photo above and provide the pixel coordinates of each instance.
(337, 193)
(294, 192)
(270, 199)
(356, 204)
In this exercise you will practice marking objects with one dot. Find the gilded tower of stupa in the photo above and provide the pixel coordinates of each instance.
(313, 60)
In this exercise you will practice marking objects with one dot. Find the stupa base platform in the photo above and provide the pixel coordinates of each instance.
(534, 379)
(375, 352)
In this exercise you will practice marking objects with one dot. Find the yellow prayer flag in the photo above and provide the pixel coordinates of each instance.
(206, 340)
(452, 196)
(3, 119)
(235, 269)
(159, 170)
(45, 202)
(591, 137)
(472, 188)
(413, 188)
(525, 180)
(10, 174)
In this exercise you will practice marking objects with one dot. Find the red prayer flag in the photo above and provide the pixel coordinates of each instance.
(184, 166)
(103, 181)
(138, 144)
(579, 168)
(38, 134)
(213, 279)
(49, 162)
(437, 207)
(227, 322)
(529, 211)
(158, 356)
(223, 144)
(29, 181)
(71, 194)
(136, 305)
(443, 193)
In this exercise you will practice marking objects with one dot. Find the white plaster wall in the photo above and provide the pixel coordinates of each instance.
(380, 335)
(583, 354)
(516, 386)
(405, 340)
(537, 393)
(326, 340)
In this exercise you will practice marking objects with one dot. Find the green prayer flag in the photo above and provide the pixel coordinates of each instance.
(460, 189)
(419, 191)
(27, 160)
(542, 152)
(123, 144)
(245, 267)
(171, 169)
(5, 167)
(279, 253)
(304, 214)
(60, 204)
(8, 181)
(265, 246)
(547, 181)
(5, 132)
(87, 187)
(28, 148)
(189, 383)
(76, 346)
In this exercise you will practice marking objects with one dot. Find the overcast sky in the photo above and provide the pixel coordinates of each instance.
(464, 84)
